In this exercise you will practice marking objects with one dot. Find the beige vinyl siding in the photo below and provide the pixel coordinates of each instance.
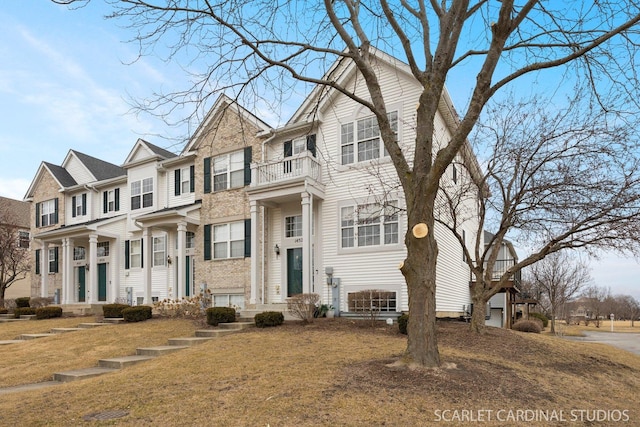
(78, 171)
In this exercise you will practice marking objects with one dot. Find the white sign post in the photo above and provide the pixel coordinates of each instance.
(611, 316)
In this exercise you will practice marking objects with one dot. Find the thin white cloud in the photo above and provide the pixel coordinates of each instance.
(14, 188)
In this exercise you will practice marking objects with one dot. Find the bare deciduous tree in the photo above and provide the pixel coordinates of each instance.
(594, 297)
(559, 279)
(556, 178)
(14, 253)
(263, 47)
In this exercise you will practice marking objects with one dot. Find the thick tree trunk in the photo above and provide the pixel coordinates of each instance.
(420, 274)
(479, 304)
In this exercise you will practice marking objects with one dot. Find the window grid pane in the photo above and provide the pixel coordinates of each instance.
(293, 226)
(134, 254)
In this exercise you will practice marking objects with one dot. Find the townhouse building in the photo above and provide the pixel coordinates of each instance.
(252, 213)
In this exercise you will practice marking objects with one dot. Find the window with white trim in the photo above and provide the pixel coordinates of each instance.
(142, 193)
(191, 240)
(47, 212)
(135, 254)
(111, 201)
(23, 239)
(372, 301)
(79, 201)
(293, 226)
(369, 225)
(79, 253)
(185, 180)
(53, 260)
(159, 251)
(228, 240)
(360, 140)
(228, 300)
(228, 171)
(103, 249)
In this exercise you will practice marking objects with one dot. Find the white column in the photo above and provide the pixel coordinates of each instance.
(68, 282)
(182, 255)
(93, 268)
(114, 263)
(147, 255)
(44, 270)
(306, 243)
(253, 206)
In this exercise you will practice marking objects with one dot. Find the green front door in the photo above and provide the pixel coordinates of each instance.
(102, 282)
(82, 285)
(294, 271)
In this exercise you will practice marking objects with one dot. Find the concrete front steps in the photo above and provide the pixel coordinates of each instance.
(143, 354)
(254, 309)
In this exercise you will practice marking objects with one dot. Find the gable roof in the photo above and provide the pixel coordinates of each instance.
(155, 153)
(61, 175)
(219, 107)
(100, 169)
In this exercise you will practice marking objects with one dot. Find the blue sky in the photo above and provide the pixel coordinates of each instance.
(65, 80)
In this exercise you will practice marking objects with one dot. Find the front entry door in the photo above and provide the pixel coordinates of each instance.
(82, 285)
(294, 271)
(102, 282)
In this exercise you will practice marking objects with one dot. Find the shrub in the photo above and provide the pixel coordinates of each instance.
(19, 311)
(544, 319)
(48, 312)
(532, 325)
(217, 315)
(10, 304)
(22, 302)
(113, 310)
(4, 310)
(40, 302)
(137, 313)
(403, 321)
(303, 306)
(269, 318)
(193, 307)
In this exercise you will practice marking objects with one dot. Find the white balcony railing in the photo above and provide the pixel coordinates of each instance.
(289, 169)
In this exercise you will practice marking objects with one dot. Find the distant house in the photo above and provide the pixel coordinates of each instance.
(15, 213)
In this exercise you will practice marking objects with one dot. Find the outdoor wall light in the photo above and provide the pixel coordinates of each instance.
(277, 249)
(169, 259)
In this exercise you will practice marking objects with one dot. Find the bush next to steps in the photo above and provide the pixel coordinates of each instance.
(22, 302)
(217, 315)
(113, 310)
(4, 310)
(269, 318)
(19, 311)
(48, 312)
(138, 313)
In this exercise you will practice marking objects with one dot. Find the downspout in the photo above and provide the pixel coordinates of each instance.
(264, 212)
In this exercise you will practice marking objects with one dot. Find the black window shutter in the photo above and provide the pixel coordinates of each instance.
(37, 261)
(37, 214)
(73, 206)
(288, 148)
(105, 201)
(207, 242)
(192, 179)
(311, 144)
(207, 175)
(126, 254)
(141, 253)
(247, 237)
(176, 182)
(84, 204)
(55, 214)
(116, 196)
(247, 165)
(55, 260)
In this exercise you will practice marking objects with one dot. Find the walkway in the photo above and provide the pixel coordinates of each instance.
(626, 341)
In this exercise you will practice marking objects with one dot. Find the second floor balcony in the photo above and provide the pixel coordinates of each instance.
(500, 268)
(290, 170)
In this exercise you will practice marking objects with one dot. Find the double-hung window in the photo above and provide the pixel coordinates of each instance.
(360, 140)
(293, 226)
(142, 193)
(369, 225)
(135, 254)
(185, 180)
(228, 171)
(159, 251)
(47, 213)
(53, 260)
(228, 240)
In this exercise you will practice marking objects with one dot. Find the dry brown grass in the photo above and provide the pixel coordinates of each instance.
(622, 326)
(332, 372)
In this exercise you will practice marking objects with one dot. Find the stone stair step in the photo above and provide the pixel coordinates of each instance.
(122, 362)
(237, 325)
(92, 325)
(27, 316)
(115, 320)
(5, 342)
(81, 374)
(188, 341)
(6, 315)
(160, 350)
(28, 387)
(34, 336)
(12, 320)
(64, 330)
(215, 333)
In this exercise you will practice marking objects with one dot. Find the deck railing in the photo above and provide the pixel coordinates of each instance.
(290, 168)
